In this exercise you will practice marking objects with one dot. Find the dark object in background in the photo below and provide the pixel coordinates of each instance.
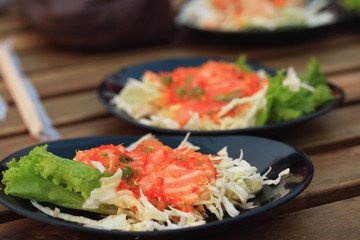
(101, 25)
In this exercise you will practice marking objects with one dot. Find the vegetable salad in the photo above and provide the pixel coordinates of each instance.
(220, 95)
(142, 187)
(244, 15)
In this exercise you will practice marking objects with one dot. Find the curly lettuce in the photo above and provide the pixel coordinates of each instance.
(45, 177)
(353, 5)
(284, 103)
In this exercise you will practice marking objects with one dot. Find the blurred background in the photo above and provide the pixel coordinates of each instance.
(119, 24)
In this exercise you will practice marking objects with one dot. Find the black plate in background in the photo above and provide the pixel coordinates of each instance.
(259, 152)
(113, 83)
(276, 36)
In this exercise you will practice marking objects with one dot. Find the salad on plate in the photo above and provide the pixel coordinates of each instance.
(245, 15)
(222, 95)
(141, 187)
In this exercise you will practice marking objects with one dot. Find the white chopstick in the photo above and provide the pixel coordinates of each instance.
(24, 95)
(3, 108)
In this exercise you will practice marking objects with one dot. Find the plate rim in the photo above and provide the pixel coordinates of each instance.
(211, 225)
(255, 33)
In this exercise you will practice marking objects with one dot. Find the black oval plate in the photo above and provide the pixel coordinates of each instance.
(112, 85)
(281, 34)
(272, 153)
(262, 37)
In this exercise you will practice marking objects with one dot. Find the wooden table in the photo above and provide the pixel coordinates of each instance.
(67, 80)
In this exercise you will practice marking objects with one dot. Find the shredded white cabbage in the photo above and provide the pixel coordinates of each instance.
(159, 121)
(294, 83)
(98, 166)
(135, 144)
(236, 184)
(136, 98)
(257, 102)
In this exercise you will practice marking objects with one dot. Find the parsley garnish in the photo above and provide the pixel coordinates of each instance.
(180, 91)
(148, 149)
(188, 80)
(127, 173)
(186, 89)
(166, 80)
(199, 91)
(226, 97)
(125, 158)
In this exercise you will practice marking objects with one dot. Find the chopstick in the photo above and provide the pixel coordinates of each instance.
(24, 95)
(3, 108)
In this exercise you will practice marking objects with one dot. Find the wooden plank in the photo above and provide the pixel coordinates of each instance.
(11, 19)
(333, 221)
(336, 161)
(325, 130)
(12, 26)
(335, 166)
(349, 82)
(333, 60)
(87, 75)
(101, 126)
(333, 130)
(83, 107)
(336, 177)
(67, 69)
(26, 40)
(47, 58)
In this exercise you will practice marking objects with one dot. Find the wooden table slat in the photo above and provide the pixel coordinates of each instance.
(326, 128)
(342, 221)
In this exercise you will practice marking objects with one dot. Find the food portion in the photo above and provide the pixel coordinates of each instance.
(244, 15)
(46, 177)
(142, 187)
(219, 95)
(352, 5)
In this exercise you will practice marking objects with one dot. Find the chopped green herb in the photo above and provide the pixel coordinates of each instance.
(148, 149)
(180, 91)
(125, 158)
(104, 154)
(226, 97)
(180, 157)
(211, 112)
(188, 81)
(199, 91)
(166, 80)
(127, 173)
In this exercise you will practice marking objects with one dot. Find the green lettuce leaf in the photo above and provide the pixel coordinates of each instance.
(45, 177)
(284, 105)
(353, 5)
